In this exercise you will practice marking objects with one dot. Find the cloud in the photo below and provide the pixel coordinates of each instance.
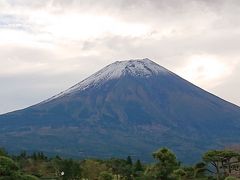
(230, 87)
(55, 40)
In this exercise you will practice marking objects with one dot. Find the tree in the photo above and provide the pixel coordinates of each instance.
(129, 161)
(70, 169)
(220, 161)
(23, 155)
(230, 178)
(138, 166)
(226, 157)
(138, 169)
(28, 177)
(167, 163)
(179, 174)
(91, 169)
(105, 176)
(34, 156)
(10, 171)
(7, 166)
(3, 152)
(199, 170)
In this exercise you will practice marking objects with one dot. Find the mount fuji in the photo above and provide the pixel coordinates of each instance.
(127, 108)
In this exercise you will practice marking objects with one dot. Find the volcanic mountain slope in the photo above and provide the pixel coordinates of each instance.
(127, 108)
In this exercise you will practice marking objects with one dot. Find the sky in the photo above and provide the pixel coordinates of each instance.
(49, 45)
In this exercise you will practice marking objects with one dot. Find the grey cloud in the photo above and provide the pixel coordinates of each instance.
(194, 27)
(28, 3)
(230, 88)
(12, 22)
(25, 53)
(133, 5)
(25, 90)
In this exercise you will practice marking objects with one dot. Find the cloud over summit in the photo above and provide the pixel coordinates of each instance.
(53, 39)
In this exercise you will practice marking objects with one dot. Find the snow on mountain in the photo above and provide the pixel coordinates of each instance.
(138, 67)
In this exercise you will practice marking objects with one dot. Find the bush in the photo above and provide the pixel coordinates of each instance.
(7, 166)
(29, 177)
(3, 152)
(105, 176)
(230, 178)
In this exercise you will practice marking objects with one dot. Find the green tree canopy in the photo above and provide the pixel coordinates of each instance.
(167, 163)
(129, 161)
(220, 161)
(105, 176)
(7, 166)
(3, 152)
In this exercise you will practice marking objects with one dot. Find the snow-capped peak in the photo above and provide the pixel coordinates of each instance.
(138, 67)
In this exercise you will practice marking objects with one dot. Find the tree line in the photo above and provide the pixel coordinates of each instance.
(215, 165)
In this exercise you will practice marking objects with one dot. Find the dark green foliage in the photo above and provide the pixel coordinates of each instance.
(231, 178)
(138, 166)
(129, 160)
(120, 167)
(91, 169)
(3, 152)
(166, 167)
(167, 163)
(37, 156)
(180, 174)
(199, 170)
(23, 154)
(105, 176)
(10, 171)
(7, 166)
(70, 169)
(220, 162)
(28, 177)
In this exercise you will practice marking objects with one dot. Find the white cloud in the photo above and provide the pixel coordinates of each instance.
(206, 70)
(199, 39)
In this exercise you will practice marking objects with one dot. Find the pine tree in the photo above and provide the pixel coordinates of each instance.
(34, 156)
(138, 166)
(23, 154)
(129, 161)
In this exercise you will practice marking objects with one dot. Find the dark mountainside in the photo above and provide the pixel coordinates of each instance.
(127, 108)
